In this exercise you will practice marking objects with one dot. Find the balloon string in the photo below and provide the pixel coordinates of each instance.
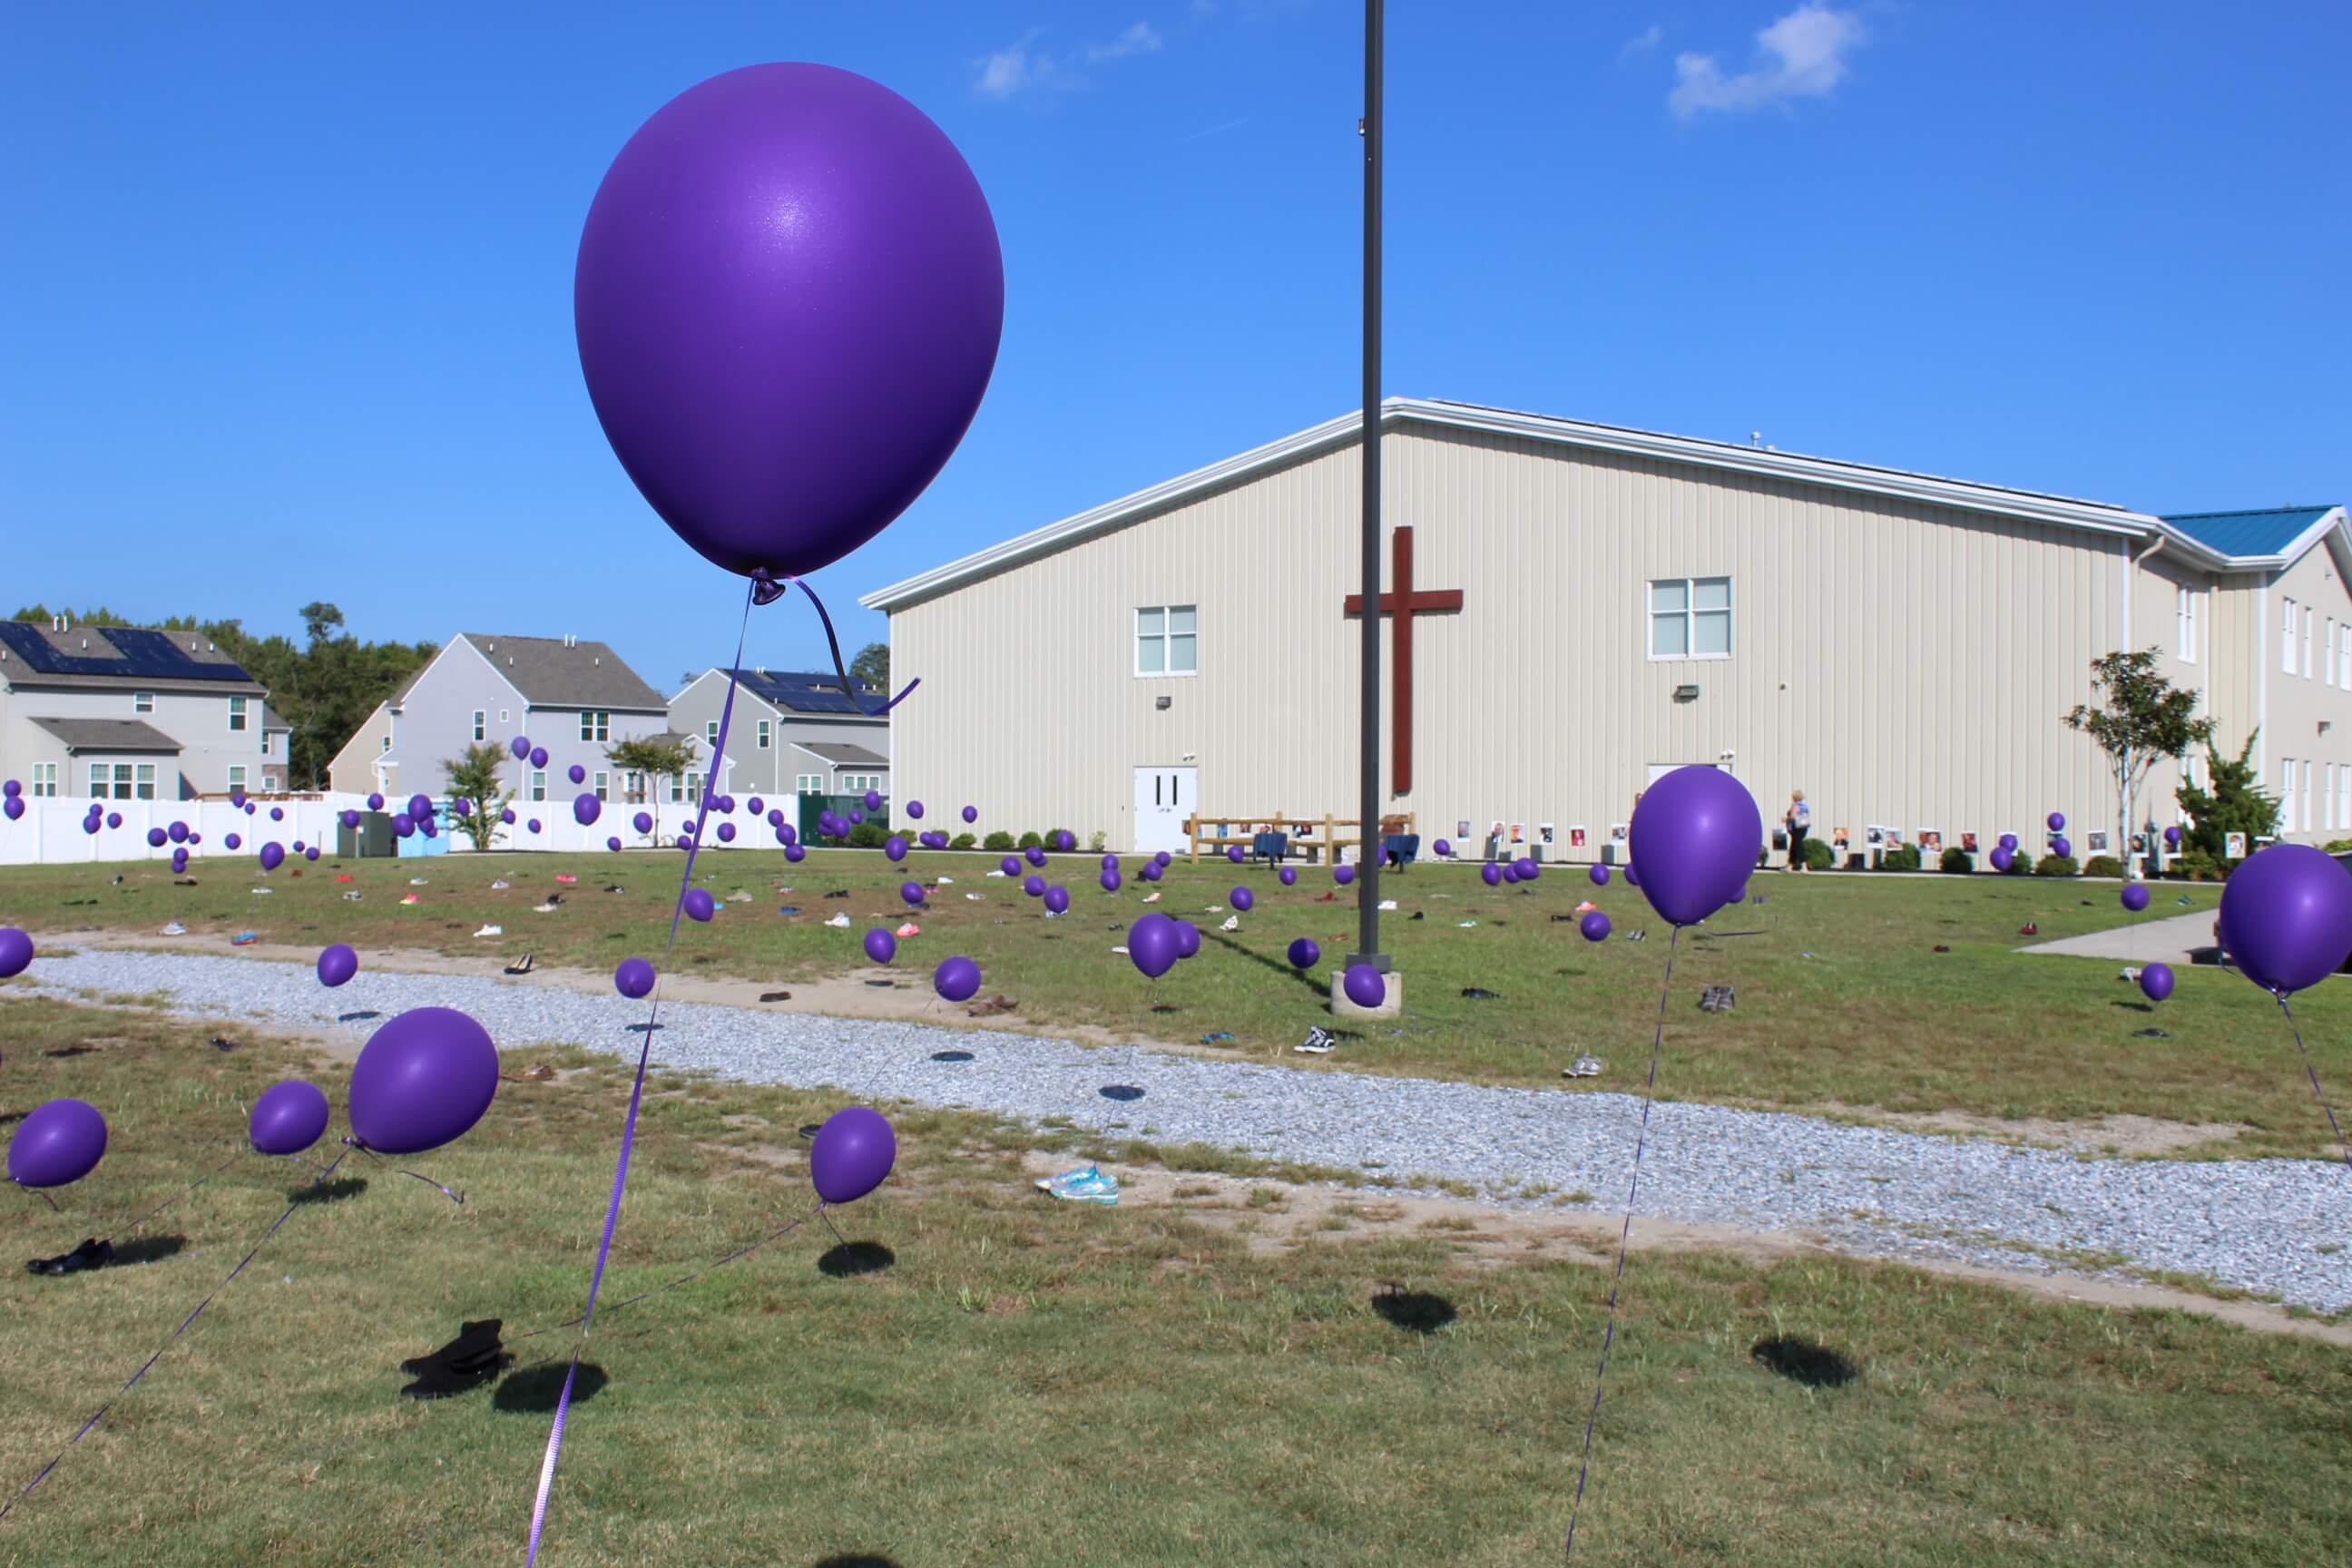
(744, 1251)
(849, 688)
(1609, 1337)
(186, 1323)
(458, 1198)
(2296, 1030)
(38, 1193)
(637, 1088)
(133, 1228)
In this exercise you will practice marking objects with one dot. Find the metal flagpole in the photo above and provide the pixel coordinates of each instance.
(1368, 869)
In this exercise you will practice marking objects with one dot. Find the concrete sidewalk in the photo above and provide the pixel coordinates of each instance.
(2177, 939)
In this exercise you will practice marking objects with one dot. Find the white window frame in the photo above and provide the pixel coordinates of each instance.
(387, 744)
(45, 781)
(145, 774)
(2286, 637)
(1688, 615)
(1166, 638)
(601, 782)
(694, 790)
(2327, 654)
(235, 777)
(2286, 795)
(765, 731)
(539, 783)
(2184, 611)
(142, 702)
(2306, 642)
(2344, 794)
(809, 784)
(481, 726)
(710, 734)
(502, 717)
(237, 717)
(596, 724)
(676, 788)
(2307, 796)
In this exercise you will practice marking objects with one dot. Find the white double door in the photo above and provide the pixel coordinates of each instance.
(1164, 797)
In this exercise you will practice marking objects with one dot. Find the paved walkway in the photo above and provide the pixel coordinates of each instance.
(2175, 940)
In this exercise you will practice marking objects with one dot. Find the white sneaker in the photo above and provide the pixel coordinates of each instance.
(491, 930)
(500, 885)
(1318, 1043)
(352, 897)
(946, 882)
(996, 873)
(842, 920)
(1151, 898)
(265, 889)
(175, 929)
(1231, 922)
(975, 899)
(417, 882)
(1388, 903)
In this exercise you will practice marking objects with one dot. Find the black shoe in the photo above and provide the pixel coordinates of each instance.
(92, 1254)
(617, 887)
(1415, 915)
(522, 968)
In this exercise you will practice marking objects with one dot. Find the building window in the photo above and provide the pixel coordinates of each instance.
(602, 780)
(2306, 642)
(2184, 612)
(45, 780)
(763, 735)
(142, 702)
(1168, 640)
(481, 725)
(677, 789)
(236, 715)
(694, 786)
(265, 743)
(2287, 636)
(2344, 794)
(502, 716)
(2286, 795)
(2327, 795)
(710, 733)
(809, 784)
(2306, 794)
(235, 777)
(1690, 617)
(539, 783)
(387, 743)
(632, 787)
(595, 726)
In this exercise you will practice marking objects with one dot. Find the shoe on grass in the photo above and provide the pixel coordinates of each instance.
(175, 929)
(418, 882)
(408, 898)
(1318, 1043)
(491, 930)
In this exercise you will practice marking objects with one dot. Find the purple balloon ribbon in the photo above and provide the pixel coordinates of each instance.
(186, 1323)
(1624, 1238)
(766, 590)
(644, 1052)
(2296, 1030)
(458, 1198)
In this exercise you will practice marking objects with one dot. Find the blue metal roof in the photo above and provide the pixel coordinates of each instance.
(2265, 533)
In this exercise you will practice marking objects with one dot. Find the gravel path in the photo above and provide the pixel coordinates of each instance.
(2280, 1227)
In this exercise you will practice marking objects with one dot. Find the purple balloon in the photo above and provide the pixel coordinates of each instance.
(311, 853)
(756, 806)
(249, 808)
(2061, 848)
(59, 1142)
(273, 855)
(1034, 854)
(1242, 898)
(1163, 859)
(1057, 900)
(1444, 849)
(2136, 897)
(881, 945)
(614, 844)
(914, 809)
(156, 838)
(1527, 867)
(337, 964)
(348, 818)
(1696, 839)
(787, 299)
(178, 832)
(539, 756)
(1188, 938)
(795, 853)
(422, 1080)
(2172, 838)
(643, 822)
(1233, 852)
(237, 798)
(1289, 875)
(2057, 822)
(787, 832)
(895, 848)
(519, 746)
(911, 891)
(1510, 870)
(1343, 875)
(855, 816)
(1593, 926)
(576, 773)
(852, 1152)
(1151, 872)
(586, 808)
(2156, 980)
(1110, 881)
(873, 800)
(277, 814)
(1151, 944)
(1305, 952)
(419, 807)
(775, 816)
(401, 825)
(955, 979)
(114, 819)
(2002, 858)
(375, 803)
(1034, 885)
(972, 814)
(297, 846)
(726, 833)
(12, 789)
(1600, 875)
(1364, 985)
(1010, 865)
(289, 1117)
(14, 807)
(2286, 917)
(89, 824)
(2008, 842)
(234, 842)
(15, 951)
(633, 978)
(699, 904)
(1491, 874)
(532, 824)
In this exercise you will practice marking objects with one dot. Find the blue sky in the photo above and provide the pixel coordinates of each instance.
(285, 291)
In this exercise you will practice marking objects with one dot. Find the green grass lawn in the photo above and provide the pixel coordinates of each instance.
(1030, 1383)
(1843, 998)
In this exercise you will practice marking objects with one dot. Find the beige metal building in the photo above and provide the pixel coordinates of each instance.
(1595, 604)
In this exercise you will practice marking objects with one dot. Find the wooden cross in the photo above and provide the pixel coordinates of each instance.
(1401, 605)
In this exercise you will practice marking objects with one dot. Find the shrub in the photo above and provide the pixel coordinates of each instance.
(868, 835)
(1906, 859)
(997, 842)
(2103, 866)
(961, 841)
(1819, 856)
(2019, 866)
(1957, 861)
(2055, 866)
(2336, 846)
(1030, 841)
(2200, 867)
(1763, 856)
(1097, 841)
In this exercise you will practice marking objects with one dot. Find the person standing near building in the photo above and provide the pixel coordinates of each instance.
(1799, 819)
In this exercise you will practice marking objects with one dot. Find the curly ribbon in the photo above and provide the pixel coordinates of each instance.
(637, 1089)
(1609, 1337)
(766, 590)
(458, 1198)
(186, 1323)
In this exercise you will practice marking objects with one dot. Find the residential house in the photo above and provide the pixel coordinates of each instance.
(127, 713)
(792, 732)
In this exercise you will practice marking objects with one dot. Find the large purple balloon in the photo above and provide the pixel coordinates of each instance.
(788, 301)
(1188, 939)
(643, 822)
(912, 892)
(57, 1142)
(1233, 852)
(726, 833)
(114, 819)
(289, 1117)
(586, 808)
(1594, 926)
(273, 855)
(2061, 848)
(1444, 849)
(1343, 875)
(1696, 839)
(1600, 875)
(404, 827)
(532, 824)
(914, 809)
(15, 951)
(576, 773)
(2002, 858)
(519, 746)
(2172, 838)
(2057, 822)
(2136, 897)
(2156, 982)
(1305, 953)
(14, 807)
(972, 814)
(955, 979)
(1010, 865)
(633, 978)
(2008, 842)
(1057, 899)
(1034, 885)
(795, 853)
(2286, 917)
(348, 818)
(1364, 985)
(1034, 854)
(699, 904)
(419, 807)
(1491, 874)
(1289, 875)
(234, 842)
(177, 832)
(851, 1154)
(156, 838)
(1242, 898)
(422, 1080)
(539, 756)
(1110, 881)
(337, 964)
(375, 803)
(881, 945)
(1151, 944)
(895, 847)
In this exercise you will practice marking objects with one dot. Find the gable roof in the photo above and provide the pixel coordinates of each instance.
(2277, 530)
(843, 755)
(1399, 413)
(108, 734)
(105, 655)
(562, 672)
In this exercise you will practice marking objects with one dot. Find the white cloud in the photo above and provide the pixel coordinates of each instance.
(1802, 55)
(1641, 43)
(1013, 69)
(1139, 39)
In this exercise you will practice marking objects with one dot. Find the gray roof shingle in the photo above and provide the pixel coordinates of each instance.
(108, 734)
(551, 672)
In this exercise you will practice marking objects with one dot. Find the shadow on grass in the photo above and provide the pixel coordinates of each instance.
(147, 1249)
(333, 1192)
(1805, 1361)
(2134, 1006)
(70, 1051)
(1279, 965)
(535, 1391)
(1414, 1311)
(852, 1258)
(856, 1560)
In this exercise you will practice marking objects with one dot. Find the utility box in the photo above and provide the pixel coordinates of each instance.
(370, 839)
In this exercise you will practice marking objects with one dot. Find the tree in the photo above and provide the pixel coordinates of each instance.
(655, 757)
(2233, 803)
(2146, 718)
(474, 779)
(872, 666)
(319, 618)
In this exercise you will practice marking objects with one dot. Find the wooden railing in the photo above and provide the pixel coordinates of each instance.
(1320, 838)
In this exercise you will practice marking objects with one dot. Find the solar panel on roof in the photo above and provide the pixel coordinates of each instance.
(145, 654)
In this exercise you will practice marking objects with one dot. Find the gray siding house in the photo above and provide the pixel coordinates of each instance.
(793, 731)
(573, 698)
(130, 713)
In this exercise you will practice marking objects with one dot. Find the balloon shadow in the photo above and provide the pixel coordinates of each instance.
(2134, 1006)
(852, 1258)
(333, 1192)
(1803, 1361)
(71, 1051)
(363, 1015)
(535, 1392)
(950, 1056)
(856, 1560)
(147, 1249)
(1414, 1311)
(1279, 965)
(1121, 1091)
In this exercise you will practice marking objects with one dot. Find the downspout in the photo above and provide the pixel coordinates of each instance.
(2124, 807)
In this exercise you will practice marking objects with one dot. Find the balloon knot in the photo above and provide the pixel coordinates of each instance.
(765, 589)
